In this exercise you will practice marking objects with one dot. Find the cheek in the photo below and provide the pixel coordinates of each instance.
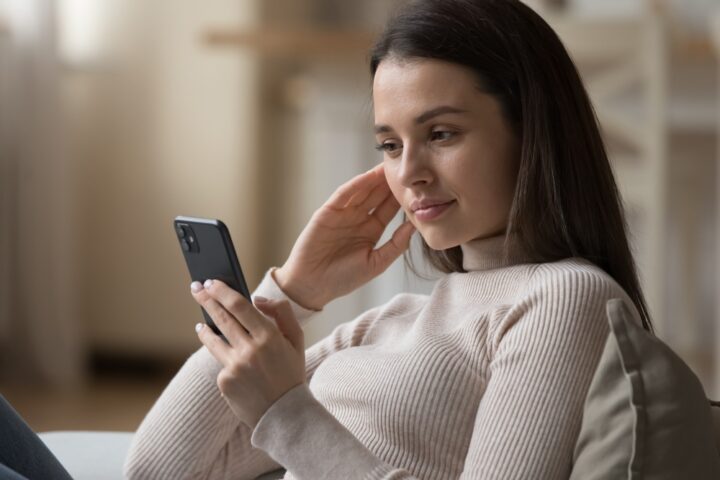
(485, 190)
(488, 169)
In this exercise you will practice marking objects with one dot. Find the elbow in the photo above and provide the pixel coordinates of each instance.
(148, 463)
(140, 465)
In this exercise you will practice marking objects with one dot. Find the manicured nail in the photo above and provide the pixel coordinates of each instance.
(207, 283)
(196, 287)
(198, 327)
(259, 299)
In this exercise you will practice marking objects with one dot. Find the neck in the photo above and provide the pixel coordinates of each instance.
(491, 252)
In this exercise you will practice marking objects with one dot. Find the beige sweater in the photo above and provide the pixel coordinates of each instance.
(485, 378)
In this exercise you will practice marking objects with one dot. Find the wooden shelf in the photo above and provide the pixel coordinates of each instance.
(614, 33)
(307, 43)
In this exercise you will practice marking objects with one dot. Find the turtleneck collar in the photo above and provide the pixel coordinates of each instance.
(488, 253)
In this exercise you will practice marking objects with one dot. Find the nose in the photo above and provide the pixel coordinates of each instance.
(415, 167)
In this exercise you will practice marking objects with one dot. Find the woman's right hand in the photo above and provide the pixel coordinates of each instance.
(335, 253)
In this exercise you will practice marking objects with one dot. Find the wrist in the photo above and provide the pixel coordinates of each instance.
(289, 286)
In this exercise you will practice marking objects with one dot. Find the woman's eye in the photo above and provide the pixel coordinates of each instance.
(386, 147)
(441, 135)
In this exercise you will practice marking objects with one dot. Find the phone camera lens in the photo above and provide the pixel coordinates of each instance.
(185, 245)
(180, 232)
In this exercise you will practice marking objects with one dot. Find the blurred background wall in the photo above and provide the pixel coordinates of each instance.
(117, 115)
(136, 121)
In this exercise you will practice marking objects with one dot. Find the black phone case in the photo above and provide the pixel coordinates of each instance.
(209, 254)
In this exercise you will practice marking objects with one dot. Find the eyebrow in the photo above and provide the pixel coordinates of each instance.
(424, 117)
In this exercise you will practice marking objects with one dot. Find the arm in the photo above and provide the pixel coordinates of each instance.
(191, 432)
(545, 353)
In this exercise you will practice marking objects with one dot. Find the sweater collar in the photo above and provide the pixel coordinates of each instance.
(488, 253)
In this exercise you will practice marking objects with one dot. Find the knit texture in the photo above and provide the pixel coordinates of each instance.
(485, 378)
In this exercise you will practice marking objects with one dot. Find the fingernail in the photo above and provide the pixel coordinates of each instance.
(259, 299)
(198, 327)
(196, 287)
(207, 283)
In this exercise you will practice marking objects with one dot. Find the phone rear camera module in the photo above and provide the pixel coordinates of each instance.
(186, 236)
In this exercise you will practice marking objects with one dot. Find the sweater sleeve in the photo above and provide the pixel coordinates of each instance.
(190, 432)
(545, 352)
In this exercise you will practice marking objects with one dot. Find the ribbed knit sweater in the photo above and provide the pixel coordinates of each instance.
(484, 378)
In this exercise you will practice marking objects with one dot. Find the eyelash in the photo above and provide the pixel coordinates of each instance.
(383, 147)
(387, 147)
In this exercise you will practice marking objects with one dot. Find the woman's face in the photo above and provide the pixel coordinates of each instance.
(444, 143)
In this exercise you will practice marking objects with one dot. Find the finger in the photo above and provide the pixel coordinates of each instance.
(239, 307)
(387, 209)
(393, 248)
(215, 345)
(373, 198)
(224, 320)
(367, 180)
(286, 321)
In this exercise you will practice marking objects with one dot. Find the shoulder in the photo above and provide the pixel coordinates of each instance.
(571, 279)
(566, 300)
(565, 295)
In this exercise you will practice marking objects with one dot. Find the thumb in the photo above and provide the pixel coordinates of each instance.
(394, 247)
(285, 320)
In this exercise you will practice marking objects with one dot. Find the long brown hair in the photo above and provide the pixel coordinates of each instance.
(566, 201)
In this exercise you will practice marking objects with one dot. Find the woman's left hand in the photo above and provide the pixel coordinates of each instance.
(263, 361)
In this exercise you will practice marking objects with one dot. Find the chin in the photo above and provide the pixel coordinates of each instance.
(439, 241)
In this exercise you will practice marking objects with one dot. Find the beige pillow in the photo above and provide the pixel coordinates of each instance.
(646, 415)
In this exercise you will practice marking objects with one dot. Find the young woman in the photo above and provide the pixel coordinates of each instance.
(492, 151)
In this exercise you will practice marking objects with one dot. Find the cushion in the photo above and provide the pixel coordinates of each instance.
(646, 415)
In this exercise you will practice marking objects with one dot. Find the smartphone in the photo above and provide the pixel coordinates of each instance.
(209, 253)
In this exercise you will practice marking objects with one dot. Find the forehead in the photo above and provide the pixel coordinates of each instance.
(418, 83)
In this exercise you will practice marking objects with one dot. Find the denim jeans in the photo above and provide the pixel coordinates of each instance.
(22, 454)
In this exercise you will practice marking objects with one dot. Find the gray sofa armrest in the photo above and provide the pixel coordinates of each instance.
(90, 455)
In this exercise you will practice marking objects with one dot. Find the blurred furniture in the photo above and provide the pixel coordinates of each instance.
(646, 75)
(294, 43)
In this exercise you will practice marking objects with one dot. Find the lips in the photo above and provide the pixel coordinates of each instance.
(432, 210)
(427, 203)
